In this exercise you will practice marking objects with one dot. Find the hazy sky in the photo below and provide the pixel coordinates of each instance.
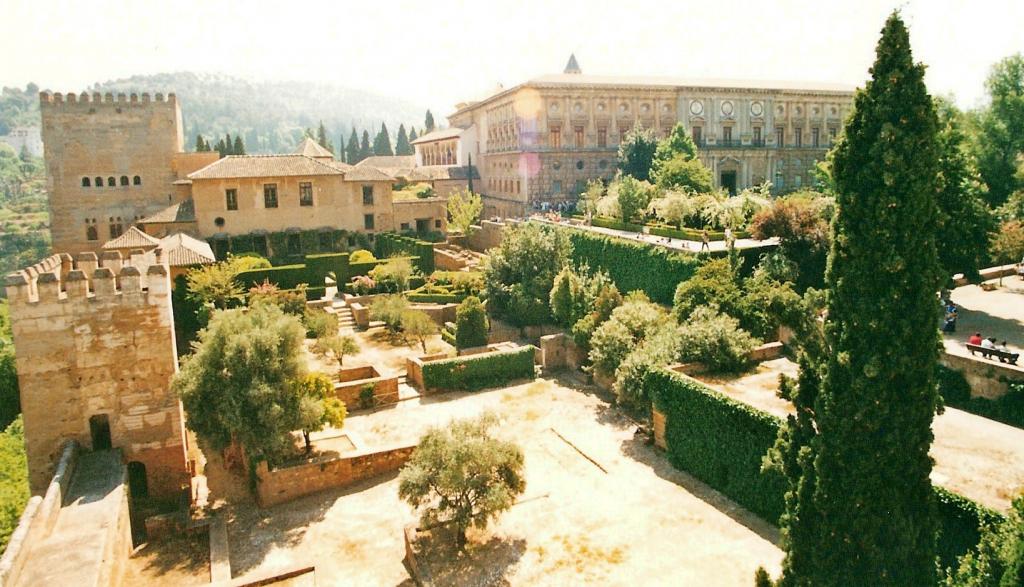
(436, 53)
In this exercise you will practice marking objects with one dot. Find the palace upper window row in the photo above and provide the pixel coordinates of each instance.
(270, 195)
(111, 181)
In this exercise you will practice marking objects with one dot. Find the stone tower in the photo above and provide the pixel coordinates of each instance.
(110, 161)
(95, 355)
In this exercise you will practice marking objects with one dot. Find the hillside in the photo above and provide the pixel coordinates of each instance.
(270, 115)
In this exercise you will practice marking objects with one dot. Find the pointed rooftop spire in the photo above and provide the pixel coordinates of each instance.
(572, 66)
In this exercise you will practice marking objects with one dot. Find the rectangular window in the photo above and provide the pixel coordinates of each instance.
(556, 186)
(231, 199)
(602, 137)
(727, 134)
(367, 195)
(757, 135)
(555, 138)
(696, 133)
(814, 137)
(270, 195)
(578, 131)
(780, 136)
(368, 221)
(437, 224)
(115, 230)
(798, 137)
(305, 194)
(404, 226)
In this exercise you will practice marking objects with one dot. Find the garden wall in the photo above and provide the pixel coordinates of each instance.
(352, 380)
(558, 351)
(722, 442)
(387, 244)
(987, 378)
(491, 368)
(486, 235)
(275, 486)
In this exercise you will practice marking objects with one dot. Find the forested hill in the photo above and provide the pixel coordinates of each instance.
(271, 116)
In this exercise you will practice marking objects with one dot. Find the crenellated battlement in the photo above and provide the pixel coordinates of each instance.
(58, 100)
(61, 278)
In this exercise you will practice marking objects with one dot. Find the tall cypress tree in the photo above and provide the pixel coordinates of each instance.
(382, 142)
(229, 145)
(238, 147)
(201, 144)
(428, 122)
(412, 135)
(862, 511)
(364, 147)
(402, 146)
(321, 138)
(352, 149)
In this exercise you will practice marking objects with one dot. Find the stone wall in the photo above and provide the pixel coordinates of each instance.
(351, 382)
(414, 368)
(99, 136)
(98, 341)
(986, 377)
(274, 486)
(559, 351)
(485, 236)
(447, 260)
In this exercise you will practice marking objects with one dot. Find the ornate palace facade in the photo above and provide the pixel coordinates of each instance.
(542, 140)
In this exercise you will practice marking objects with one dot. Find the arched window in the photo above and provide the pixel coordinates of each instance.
(136, 180)
(124, 180)
(111, 181)
(99, 182)
(85, 182)
(91, 233)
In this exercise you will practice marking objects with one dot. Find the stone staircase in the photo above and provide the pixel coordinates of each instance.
(346, 321)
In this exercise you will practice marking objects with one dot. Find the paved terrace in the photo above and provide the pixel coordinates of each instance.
(669, 243)
(998, 313)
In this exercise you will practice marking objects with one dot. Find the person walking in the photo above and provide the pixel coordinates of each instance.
(705, 241)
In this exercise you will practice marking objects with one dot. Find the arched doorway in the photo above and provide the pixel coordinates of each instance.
(99, 431)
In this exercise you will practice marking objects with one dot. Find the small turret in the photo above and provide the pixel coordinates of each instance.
(572, 66)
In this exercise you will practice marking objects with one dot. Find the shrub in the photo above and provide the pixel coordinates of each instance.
(363, 285)
(628, 325)
(471, 325)
(319, 323)
(479, 371)
(389, 309)
(520, 272)
(418, 325)
(14, 491)
(393, 276)
(367, 399)
(660, 348)
(290, 301)
(714, 283)
(336, 347)
(361, 256)
(716, 341)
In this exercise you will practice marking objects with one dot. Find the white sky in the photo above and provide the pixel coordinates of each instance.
(435, 53)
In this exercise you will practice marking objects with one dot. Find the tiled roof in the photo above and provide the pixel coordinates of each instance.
(673, 82)
(438, 135)
(311, 148)
(366, 174)
(385, 162)
(182, 250)
(133, 238)
(183, 211)
(234, 166)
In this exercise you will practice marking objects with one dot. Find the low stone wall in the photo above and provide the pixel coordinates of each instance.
(414, 368)
(658, 419)
(360, 306)
(767, 352)
(986, 274)
(485, 236)
(987, 377)
(352, 380)
(559, 351)
(447, 260)
(39, 517)
(281, 485)
(360, 315)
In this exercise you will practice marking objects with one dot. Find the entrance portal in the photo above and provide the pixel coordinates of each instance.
(728, 182)
(138, 485)
(99, 430)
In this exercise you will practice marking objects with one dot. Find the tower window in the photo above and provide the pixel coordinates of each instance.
(111, 182)
(270, 195)
(124, 180)
(85, 182)
(368, 196)
(578, 133)
(231, 199)
(136, 180)
(99, 182)
(91, 233)
(305, 194)
(368, 221)
(555, 138)
(602, 137)
(726, 134)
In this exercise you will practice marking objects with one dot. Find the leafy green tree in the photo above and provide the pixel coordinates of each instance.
(459, 474)
(1007, 244)
(565, 290)
(14, 491)
(678, 142)
(10, 400)
(236, 387)
(999, 560)
(364, 147)
(627, 326)
(318, 407)
(229, 145)
(801, 223)
(222, 149)
(215, 284)
(659, 348)
(964, 219)
(1001, 138)
(337, 347)
(636, 153)
(714, 340)
(419, 326)
(471, 324)
(714, 283)
(394, 274)
(402, 146)
(389, 309)
(382, 142)
(464, 208)
(521, 270)
(633, 196)
(352, 149)
(870, 518)
(322, 137)
(681, 172)
(428, 123)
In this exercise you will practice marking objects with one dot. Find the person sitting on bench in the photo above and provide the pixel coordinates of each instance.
(975, 339)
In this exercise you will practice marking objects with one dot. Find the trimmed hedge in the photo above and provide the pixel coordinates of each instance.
(722, 442)
(387, 244)
(614, 224)
(691, 234)
(633, 265)
(436, 298)
(479, 371)
(310, 242)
